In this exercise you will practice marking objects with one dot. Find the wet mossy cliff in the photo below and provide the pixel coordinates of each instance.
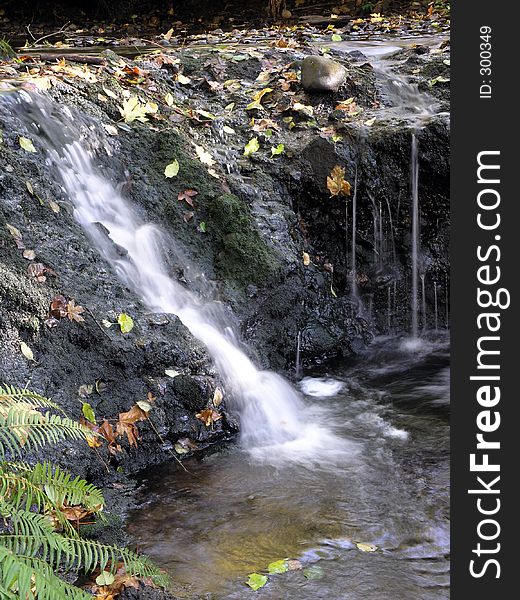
(263, 240)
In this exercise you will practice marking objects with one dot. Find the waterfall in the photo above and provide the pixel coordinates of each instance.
(268, 407)
(423, 298)
(297, 368)
(435, 305)
(353, 256)
(415, 231)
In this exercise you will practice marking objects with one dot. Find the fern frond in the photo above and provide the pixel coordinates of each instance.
(10, 395)
(30, 578)
(73, 554)
(23, 429)
(30, 484)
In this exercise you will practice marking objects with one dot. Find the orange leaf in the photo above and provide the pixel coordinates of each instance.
(208, 416)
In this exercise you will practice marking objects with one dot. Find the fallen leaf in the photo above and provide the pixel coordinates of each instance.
(217, 397)
(17, 236)
(55, 207)
(105, 578)
(172, 169)
(187, 196)
(201, 227)
(278, 566)
(255, 581)
(26, 351)
(26, 144)
(134, 110)
(171, 373)
(257, 99)
(168, 99)
(336, 183)
(251, 147)
(204, 156)
(312, 573)
(208, 416)
(183, 79)
(144, 406)
(306, 259)
(294, 565)
(336, 38)
(29, 187)
(126, 323)
(29, 254)
(277, 150)
(74, 312)
(366, 547)
(38, 271)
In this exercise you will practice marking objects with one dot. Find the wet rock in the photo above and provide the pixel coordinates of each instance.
(322, 74)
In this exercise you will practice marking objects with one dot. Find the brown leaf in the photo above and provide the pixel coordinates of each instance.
(58, 308)
(74, 312)
(39, 270)
(187, 196)
(336, 182)
(107, 431)
(130, 430)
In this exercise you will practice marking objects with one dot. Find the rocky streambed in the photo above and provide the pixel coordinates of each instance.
(250, 218)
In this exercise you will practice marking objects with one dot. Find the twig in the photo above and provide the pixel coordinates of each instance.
(44, 37)
(163, 442)
(97, 323)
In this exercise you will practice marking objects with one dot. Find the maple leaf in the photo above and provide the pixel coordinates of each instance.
(336, 182)
(187, 196)
(74, 312)
(208, 416)
(133, 110)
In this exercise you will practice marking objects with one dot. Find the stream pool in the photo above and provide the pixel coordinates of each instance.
(380, 477)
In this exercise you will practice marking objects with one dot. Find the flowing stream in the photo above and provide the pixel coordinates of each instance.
(228, 516)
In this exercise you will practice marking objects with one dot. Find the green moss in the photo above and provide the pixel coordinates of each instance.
(242, 254)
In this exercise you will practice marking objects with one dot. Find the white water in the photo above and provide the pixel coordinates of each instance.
(269, 408)
(415, 231)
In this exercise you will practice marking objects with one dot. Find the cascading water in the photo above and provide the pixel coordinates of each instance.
(354, 233)
(415, 232)
(267, 405)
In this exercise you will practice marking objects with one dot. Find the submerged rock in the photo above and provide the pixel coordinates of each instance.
(322, 74)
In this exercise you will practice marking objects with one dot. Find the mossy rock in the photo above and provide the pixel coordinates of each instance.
(242, 255)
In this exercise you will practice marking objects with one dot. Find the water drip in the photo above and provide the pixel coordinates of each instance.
(415, 231)
(423, 295)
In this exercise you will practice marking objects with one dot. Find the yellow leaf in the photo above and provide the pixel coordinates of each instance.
(257, 99)
(306, 259)
(366, 547)
(27, 144)
(26, 351)
(172, 169)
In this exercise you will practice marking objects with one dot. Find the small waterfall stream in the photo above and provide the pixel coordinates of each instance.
(268, 406)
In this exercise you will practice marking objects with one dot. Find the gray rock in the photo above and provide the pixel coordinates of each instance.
(322, 74)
